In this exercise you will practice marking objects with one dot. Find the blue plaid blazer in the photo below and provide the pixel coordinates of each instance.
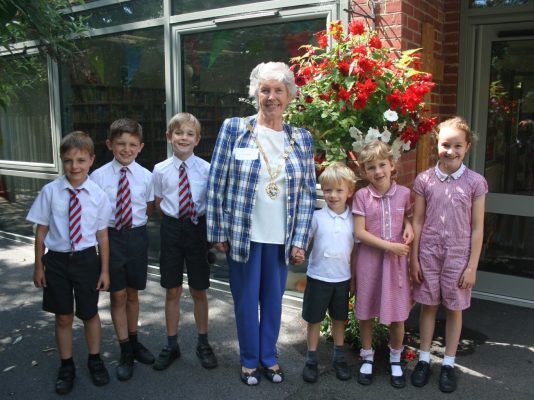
(232, 188)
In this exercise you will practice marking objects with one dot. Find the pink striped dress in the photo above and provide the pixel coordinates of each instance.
(383, 282)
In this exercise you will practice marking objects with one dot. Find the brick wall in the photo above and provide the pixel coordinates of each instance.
(400, 23)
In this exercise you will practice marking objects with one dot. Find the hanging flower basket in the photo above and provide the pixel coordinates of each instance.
(353, 90)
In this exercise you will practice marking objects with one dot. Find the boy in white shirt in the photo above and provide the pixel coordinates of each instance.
(180, 186)
(329, 277)
(130, 191)
(71, 214)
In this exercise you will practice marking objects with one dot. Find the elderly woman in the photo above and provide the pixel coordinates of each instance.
(261, 196)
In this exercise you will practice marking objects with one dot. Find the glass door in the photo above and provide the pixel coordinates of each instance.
(505, 155)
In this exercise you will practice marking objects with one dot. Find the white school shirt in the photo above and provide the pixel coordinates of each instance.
(333, 239)
(165, 178)
(51, 208)
(139, 181)
(268, 223)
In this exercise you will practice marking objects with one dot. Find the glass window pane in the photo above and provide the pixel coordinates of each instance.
(498, 3)
(123, 13)
(25, 132)
(216, 68)
(186, 6)
(16, 197)
(507, 245)
(509, 158)
(118, 76)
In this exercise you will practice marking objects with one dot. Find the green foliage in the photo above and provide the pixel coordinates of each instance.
(31, 30)
(352, 329)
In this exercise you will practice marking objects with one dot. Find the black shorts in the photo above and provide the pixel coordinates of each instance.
(320, 296)
(128, 258)
(183, 242)
(72, 277)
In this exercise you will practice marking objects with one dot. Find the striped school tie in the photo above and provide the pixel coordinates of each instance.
(185, 199)
(123, 211)
(75, 217)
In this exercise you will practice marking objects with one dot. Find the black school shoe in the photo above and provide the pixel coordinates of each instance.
(420, 374)
(166, 357)
(142, 354)
(99, 373)
(310, 373)
(447, 379)
(65, 379)
(206, 356)
(398, 382)
(250, 378)
(125, 367)
(342, 370)
(365, 379)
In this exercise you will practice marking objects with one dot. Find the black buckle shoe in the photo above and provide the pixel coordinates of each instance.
(342, 370)
(250, 378)
(310, 373)
(274, 375)
(65, 379)
(420, 374)
(99, 373)
(365, 379)
(206, 355)
(166, 357)
(125, 367)
(447, 379)
(143, 355)
(398, 382)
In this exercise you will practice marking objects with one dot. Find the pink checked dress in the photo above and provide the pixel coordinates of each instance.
(383, 283)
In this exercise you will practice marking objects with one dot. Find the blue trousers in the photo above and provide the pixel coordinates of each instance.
(260, 281)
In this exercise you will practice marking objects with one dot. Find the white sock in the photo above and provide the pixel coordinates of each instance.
(424, 356)
(367, 354)
(447, 360)
(395, 356)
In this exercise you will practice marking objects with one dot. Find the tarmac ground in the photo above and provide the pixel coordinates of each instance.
(495, 359)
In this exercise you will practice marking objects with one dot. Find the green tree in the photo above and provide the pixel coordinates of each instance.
(31, 30)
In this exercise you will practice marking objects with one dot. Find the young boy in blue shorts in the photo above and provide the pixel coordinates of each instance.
(180, 185)
(130, 191)
(329, 275)
(71, 214)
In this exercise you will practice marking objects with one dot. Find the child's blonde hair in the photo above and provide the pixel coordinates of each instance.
(375, 150)
(183, 118)
(459, 123)
(338, 173)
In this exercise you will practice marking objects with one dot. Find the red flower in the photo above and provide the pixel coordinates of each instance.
(394, 100)
(375, 42)
(361, 101)
(343, 94)
(356, 27)
(343, 67)
(336, 29)
(300, 80)
(325, 96)
(308, 99)
(322, 39)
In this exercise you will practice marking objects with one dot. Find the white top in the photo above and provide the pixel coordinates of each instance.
(51, 208)
(165, 178)
(268, 224)
(139, 181)
(332, 245)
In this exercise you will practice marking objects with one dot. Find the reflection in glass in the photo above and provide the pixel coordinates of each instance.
(507, 245)
(118, 76)
(509, 156)
(498, 3)
(25, 131)
(186, 6)
(216, 68)
(122, 13)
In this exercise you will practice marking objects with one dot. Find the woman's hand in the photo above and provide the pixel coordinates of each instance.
(297, 255)
(223, 247)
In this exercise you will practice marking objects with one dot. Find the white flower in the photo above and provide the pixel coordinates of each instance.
(357, 146)
(355, 133)
(372, 135)
(391, 115)
(385, 136)
(406, 146)
(396, 147)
